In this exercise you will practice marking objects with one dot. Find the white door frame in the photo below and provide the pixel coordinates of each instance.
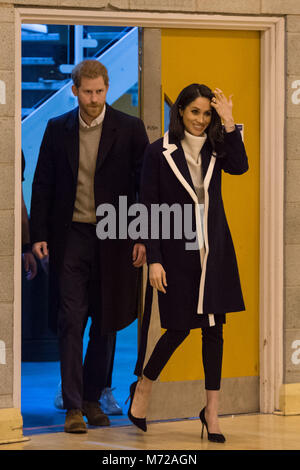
(271, 167)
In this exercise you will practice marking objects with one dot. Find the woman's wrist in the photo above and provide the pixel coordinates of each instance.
(229, 125)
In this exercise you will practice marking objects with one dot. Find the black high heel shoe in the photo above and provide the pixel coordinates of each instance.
(139, 422)
(213, 437)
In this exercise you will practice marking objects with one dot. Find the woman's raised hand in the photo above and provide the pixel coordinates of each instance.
(157, 277)
(223, 106)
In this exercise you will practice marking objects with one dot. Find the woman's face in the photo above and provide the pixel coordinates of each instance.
(196, 116)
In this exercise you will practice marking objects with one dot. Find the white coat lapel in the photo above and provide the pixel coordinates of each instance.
(169, 149)
(202, 235)
(206, 184)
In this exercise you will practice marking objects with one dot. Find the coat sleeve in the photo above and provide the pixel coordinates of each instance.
(235, 160)
(140, 142)
(43, 187)
(149, 195)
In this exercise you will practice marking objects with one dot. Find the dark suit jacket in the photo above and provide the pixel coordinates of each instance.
(118, 167)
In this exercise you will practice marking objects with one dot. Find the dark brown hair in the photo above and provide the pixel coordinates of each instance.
(89, 68)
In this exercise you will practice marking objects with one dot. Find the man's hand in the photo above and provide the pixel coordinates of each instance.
(40, 249)
(138, 255)
(30, 265)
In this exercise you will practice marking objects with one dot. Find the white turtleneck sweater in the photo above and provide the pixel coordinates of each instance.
(192, 146)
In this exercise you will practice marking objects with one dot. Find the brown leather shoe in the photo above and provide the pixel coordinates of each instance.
(74, 422)
(94, 414)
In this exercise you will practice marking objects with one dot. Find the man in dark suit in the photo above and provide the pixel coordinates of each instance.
(89, 156)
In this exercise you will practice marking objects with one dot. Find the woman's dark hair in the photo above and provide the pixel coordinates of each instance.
(185, 97)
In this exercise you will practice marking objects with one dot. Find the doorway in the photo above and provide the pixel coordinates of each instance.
(49, 53)
(236, 70)
(229, 60)
(271, 146)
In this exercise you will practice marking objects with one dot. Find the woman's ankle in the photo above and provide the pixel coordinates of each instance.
(145, 383)
(141, 397)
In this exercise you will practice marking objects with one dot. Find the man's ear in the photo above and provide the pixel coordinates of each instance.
(74, 90)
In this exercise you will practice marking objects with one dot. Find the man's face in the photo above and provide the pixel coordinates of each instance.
(91, 96)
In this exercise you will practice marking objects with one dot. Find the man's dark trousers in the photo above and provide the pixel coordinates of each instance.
(79, 286)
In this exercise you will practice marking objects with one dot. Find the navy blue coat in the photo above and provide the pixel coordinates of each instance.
(210, 286)
(122, 145)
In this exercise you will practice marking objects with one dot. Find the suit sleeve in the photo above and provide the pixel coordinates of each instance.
(43, 187)
(235, 160)
(149, 195)
(140, 142)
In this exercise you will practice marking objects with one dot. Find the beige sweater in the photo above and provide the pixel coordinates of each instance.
(192, 146)
(89, 138)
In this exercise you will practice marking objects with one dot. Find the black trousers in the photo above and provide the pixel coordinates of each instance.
(212, 354)
(79, 295)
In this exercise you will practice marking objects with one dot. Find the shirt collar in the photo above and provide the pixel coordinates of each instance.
(98, 120)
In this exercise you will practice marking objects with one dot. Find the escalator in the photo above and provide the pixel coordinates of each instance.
(47, 58)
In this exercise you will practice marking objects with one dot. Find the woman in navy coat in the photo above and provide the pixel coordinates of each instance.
(191, 259)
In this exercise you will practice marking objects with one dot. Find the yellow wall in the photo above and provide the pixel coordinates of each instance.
(230, 61)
